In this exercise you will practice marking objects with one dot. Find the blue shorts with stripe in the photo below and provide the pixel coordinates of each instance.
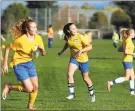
(83, 66)
(25, 70)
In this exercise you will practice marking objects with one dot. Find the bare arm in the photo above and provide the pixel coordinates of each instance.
(5, 61)
(128, 53)
(63, 50)
(86, 49)
(42, 51)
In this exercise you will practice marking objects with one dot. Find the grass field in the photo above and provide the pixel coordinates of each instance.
(105, 64)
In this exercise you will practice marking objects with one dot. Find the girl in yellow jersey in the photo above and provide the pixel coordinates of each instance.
(128, 49)
(78, 59)
(26, 42)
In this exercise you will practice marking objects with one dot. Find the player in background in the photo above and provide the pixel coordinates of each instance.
(50, 36)
(128, 49)
(115, 39)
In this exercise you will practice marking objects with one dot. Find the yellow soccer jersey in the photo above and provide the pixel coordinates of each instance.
(88, 38)
(76, 43)
(50, 33)
(24, 49)
(128, 44)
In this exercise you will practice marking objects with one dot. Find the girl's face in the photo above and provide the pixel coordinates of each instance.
(32, 30)
(73, 29)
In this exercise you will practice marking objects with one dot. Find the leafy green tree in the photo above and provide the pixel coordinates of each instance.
(129, 8)
(98, 21)
(12, 14)
(86, 5)
(120, 19)
(41, 4)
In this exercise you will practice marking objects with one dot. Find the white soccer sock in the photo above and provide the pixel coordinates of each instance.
(120, 80)
(131, 86)
(71, 88)
(91, 90)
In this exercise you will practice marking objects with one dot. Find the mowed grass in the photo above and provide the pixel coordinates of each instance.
(105, 64)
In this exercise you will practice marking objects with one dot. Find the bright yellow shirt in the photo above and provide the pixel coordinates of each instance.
(76, 43)
(88, 38)
(50, 33)
(24, 49)
(128, 44)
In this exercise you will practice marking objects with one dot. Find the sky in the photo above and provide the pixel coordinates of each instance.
(97, 4)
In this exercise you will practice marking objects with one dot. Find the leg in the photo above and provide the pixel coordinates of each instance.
(33, 95)
(84, 68)
(132, 82)
(71, 70)
(34, 80)
(115, 44)
(26, 86)
(49, 40)
(120, 79)
(22, 75)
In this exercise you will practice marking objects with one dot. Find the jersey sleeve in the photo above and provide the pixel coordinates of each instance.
(128, 44)
(40, 42)
(14, 45)
(84, 41)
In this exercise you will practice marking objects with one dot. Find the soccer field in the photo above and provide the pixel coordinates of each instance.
(105, 64)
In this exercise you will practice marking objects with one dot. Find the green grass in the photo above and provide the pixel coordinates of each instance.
(105, 64)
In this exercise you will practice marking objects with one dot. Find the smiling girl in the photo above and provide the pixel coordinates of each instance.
(26, 40)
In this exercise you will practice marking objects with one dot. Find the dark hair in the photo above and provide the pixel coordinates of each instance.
(21, 27)
(66, 31)
(50, 26)
(87, 31)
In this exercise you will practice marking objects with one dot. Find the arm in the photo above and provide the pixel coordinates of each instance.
(42, 51)
(128, 53)
(63, 50)
(1, 57)
(86, 49)
(5, 61)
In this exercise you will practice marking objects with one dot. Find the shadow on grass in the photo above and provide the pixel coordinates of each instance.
(105, 58)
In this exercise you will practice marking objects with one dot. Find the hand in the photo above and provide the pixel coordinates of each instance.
(5, 68)
(41, 48)
(78, 53)
(59, 54)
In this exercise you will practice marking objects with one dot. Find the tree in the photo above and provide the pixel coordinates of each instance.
(12, 14)
(120, 19)
(129, 8)
(82, 22)
(112, 8)
(86, 5)
(98, 21)
(41, 4)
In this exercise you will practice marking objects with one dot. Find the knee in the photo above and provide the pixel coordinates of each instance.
(29, 89)
(86, 79)
(35, 88)
(127, 78)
